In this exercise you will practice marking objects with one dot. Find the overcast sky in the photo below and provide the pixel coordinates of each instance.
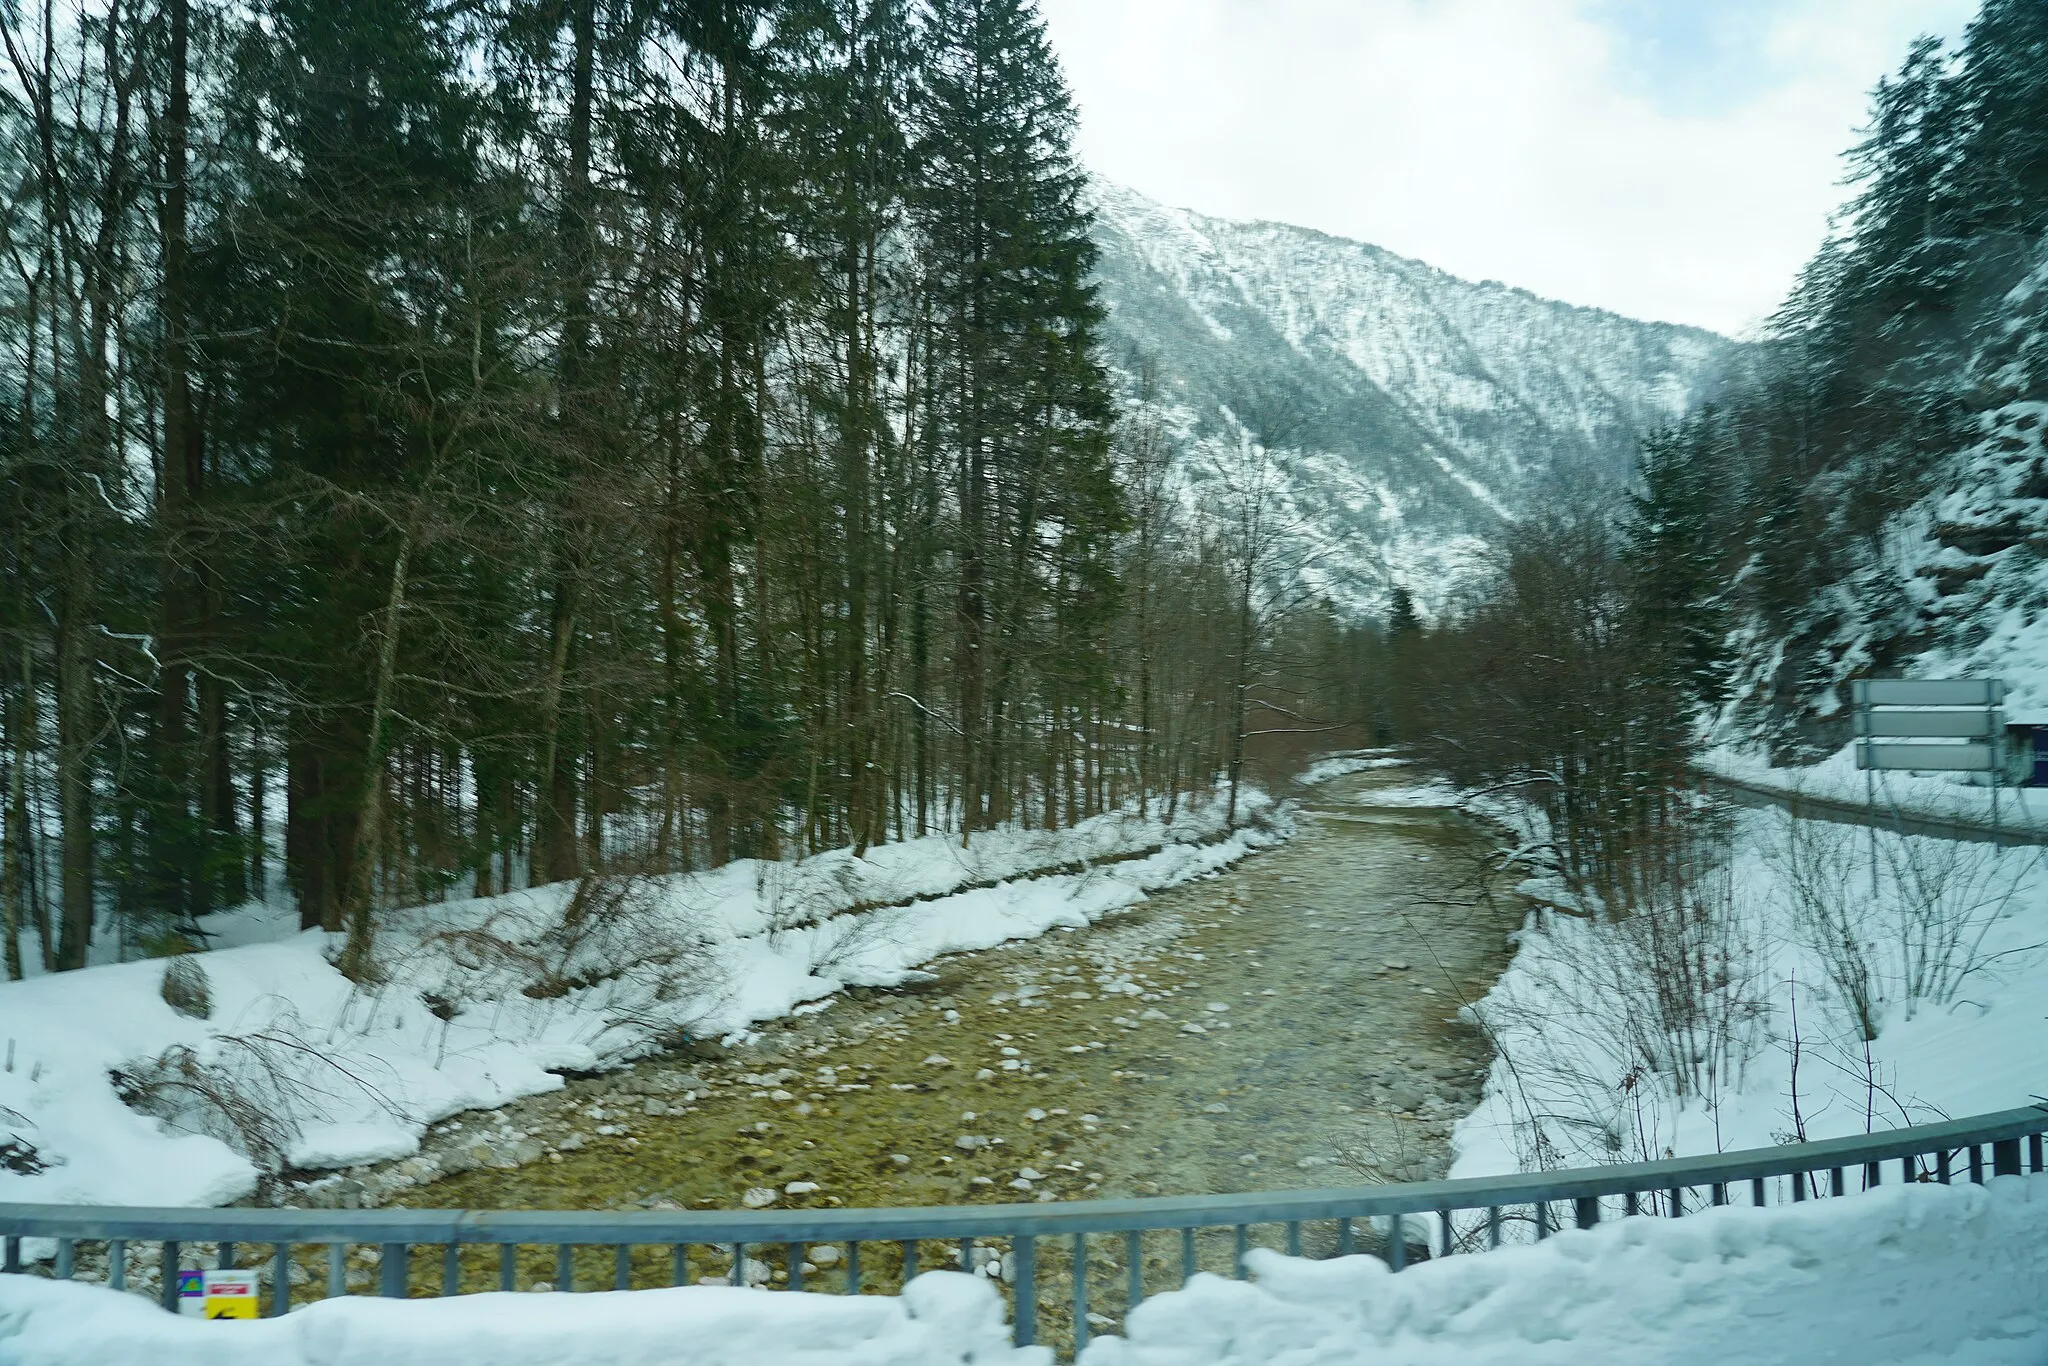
(1672, 159)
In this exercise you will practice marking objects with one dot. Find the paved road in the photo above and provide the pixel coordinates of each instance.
(1885, 818)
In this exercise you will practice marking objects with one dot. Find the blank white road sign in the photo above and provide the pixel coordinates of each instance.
(1925, 758)
(1928, 692)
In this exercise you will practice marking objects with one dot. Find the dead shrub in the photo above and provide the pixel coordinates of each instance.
(253, 1091)
(624, 946)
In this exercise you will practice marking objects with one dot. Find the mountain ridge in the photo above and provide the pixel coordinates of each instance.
(1415, 414)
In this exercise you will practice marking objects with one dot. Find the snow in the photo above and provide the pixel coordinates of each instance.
(1955, 1274)
(345, 1074)
(1904, 1274)
(1433, 793)
(1341, 765)
(943, 1318)
(1576, 1013)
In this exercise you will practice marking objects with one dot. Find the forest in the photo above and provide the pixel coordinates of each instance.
(452, 447)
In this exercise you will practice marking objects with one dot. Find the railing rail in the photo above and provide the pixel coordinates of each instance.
(2013, 1140)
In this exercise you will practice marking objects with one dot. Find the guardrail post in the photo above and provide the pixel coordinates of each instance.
(1080, 1292)
(169, 1265)
(2005, 1157)
(280, 1280)
(1023, 1270)
(1588, 1210)
(1397, 1243)
(392, 1266)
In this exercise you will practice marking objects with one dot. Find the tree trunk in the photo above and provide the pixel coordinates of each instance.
(356, 956)
(77, 720)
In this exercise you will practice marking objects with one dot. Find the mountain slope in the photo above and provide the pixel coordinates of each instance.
(1413, 413)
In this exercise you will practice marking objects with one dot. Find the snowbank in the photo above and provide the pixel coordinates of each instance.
(942, 1319)
(484, 997)
(1953, 1274)
(1340, 765)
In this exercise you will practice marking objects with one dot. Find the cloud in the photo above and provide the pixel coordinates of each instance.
(1618, 153)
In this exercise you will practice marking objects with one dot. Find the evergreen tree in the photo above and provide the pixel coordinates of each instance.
(1021, 402)
(1675, 559)
(1402, 619)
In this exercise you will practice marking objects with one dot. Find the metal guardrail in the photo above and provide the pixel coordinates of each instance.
(1418, 1219)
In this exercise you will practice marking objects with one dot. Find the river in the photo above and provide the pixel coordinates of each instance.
(1289, 1022)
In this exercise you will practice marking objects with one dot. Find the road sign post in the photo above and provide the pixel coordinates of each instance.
(1941, 725)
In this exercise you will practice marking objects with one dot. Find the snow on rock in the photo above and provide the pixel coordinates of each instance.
(943, 1318)
(338, 1074)
(1953, 1274)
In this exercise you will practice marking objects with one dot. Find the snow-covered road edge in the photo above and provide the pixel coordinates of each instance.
(1931, 795)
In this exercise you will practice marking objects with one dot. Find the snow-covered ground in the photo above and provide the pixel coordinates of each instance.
(1796, 957)
(482, 998)
(1904, 1274)
(1929, 1274)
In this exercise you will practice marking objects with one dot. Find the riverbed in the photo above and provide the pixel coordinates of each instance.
(1289, 1022)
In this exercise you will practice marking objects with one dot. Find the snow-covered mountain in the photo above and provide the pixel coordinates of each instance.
(1412, 414)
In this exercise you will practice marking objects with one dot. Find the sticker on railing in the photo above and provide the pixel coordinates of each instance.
(192, 1294)
(230, 1295)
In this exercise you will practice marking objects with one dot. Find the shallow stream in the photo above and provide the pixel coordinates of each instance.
(1290, 1022)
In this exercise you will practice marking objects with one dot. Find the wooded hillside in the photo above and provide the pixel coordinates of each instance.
(514, 438)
